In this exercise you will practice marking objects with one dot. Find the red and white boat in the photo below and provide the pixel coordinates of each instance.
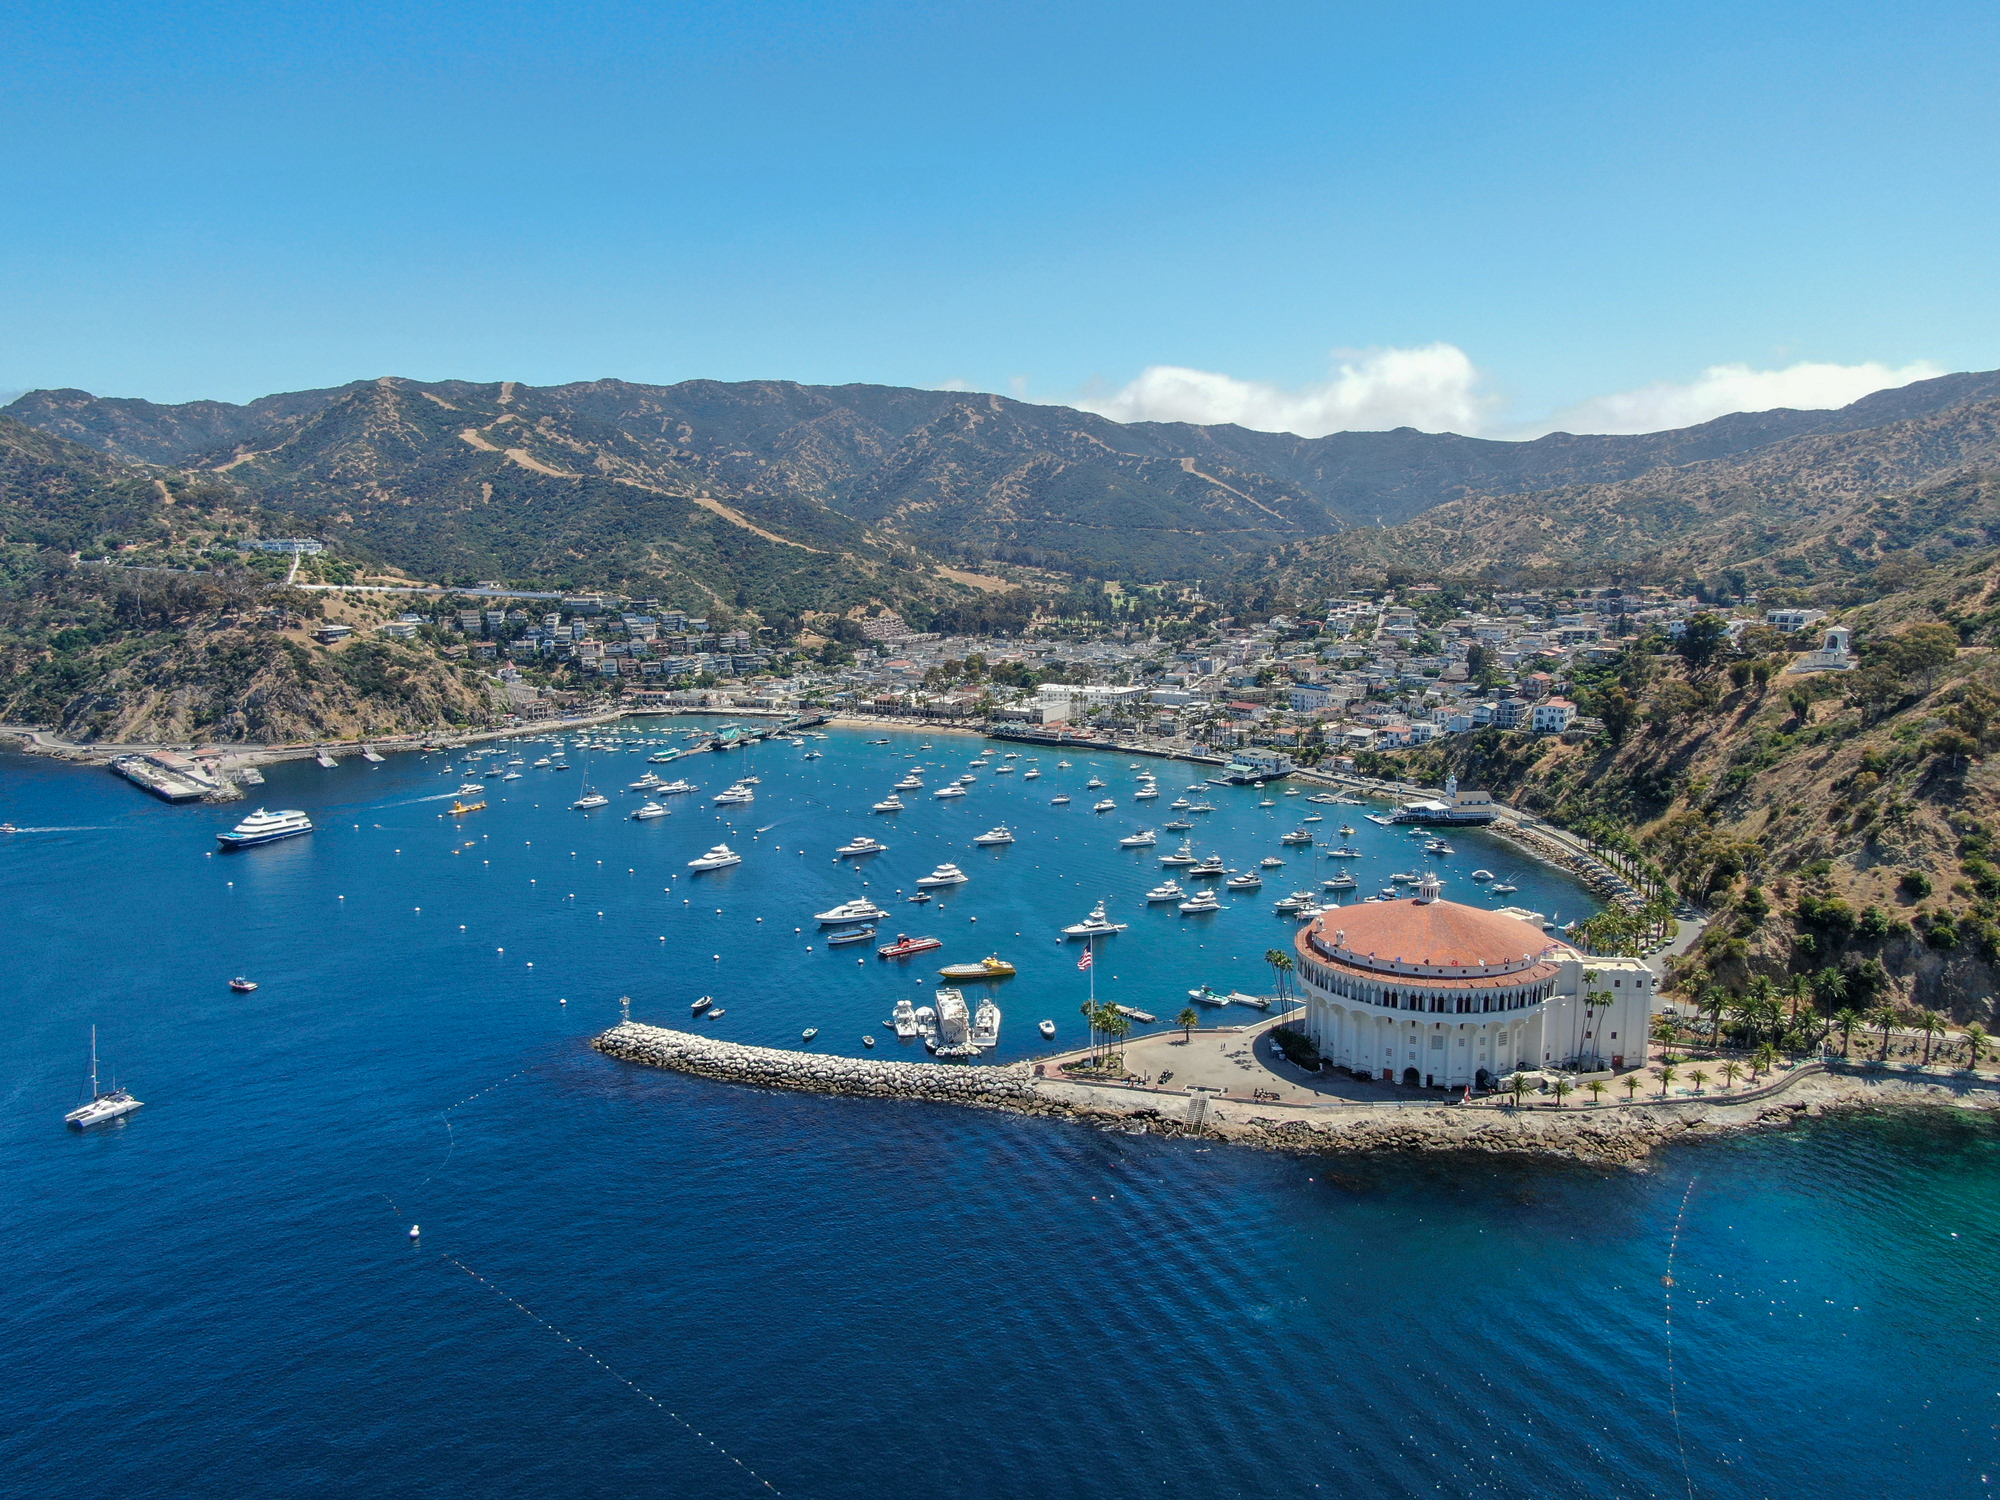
(904, 946)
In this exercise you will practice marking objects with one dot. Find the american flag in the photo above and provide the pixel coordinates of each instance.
(1085, 961)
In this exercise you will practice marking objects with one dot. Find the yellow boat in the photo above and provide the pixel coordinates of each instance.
(466, 807)
(991, 967)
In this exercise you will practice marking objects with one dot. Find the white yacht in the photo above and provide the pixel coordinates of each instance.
(1061, 801)
(1296, 836)
(1062, 765)
(1345, 851)
(103, 1104)
(590, 799)
(1181, 856)
(1144, 839)
(1249, 880)
(717, 858)
(954, 790)
(1031, 773)
(1106, 805)
(1290, 905)
(734, 796)
(1145, 793)
(890, 803)
(673, 788)
(649, 809)
(860, 909)
(860, 844)
(911, 783)
(1341, 882)
(1180, 804)
(1097, 924)
(263, 827)
(999, 835)
(986, 1020)
(543, 764)
(904, 1019)
(1047, 1029)
(1201, 901)
(645, 783)
(1210, 868)
(1167, 890)
(997, 771)
(1202, 807)
(1271, 862)
(943, 875)
(1092, 785)
(1482, 874)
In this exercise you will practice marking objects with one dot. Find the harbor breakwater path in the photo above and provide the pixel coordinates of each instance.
(1620, 1133)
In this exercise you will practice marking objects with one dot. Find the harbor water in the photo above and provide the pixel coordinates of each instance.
(630, 1282)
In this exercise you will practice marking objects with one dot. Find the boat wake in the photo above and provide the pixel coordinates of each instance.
(63, 828)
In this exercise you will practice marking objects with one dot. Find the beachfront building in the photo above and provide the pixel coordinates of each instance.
(1433, 994)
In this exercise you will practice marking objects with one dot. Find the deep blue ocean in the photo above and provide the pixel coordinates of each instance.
(634, 1283)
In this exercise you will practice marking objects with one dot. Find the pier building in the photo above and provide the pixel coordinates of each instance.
(1434, 994)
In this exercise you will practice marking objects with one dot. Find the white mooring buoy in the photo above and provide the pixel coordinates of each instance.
(413, 1231)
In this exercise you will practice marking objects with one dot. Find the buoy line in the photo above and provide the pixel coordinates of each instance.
(1667, 1282)
(633, 1386)
(451, 1136)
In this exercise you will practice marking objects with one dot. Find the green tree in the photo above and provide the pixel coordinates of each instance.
(1597, 1087)
(1187, 1020)
(1731, 1071)
(1561, 1088)
(1884, 1016)
(1668, 1073)
(1630, 1085)
(1847, 1018)
(1923, 651)
(1932, 1025)
(1697, 1077)
(1765, 1057)
(1702, 640)
(1517, 1085)
(1975, 1044)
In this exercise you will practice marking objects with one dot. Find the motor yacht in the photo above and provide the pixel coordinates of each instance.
(1341, 882)
(733, 796)
(1031, 774)
(1097, 924)
(985, 1026)
(543, 764)
(263, 827)
(1249, 880)
(1290, 904)
(719, 857)
(1167, 890)
(1208, 995)
(1200, 902)
(1145, 794)
(1270, 862)
(860, 909)
(1179, 825)
(1092, 785)
(1210, 868)
(858, 845)
(1144, 839)
(1482, 874)
(1502, 888)
(1104, 805)
(1061, 801)
(890, 803)
(1296, 836)
(911, 783)
(1345, 851)
(673, 788)
(943, 875)
(698, 1006)
(1047, 1029)
(647, 810)
(644, 784)
(1202, 807)
(469, 789)
(1000, 835)
(1062, 765)
(954, 790)
(1002, 770)
(904, 1019)
(1181, 856)
(1180, 804)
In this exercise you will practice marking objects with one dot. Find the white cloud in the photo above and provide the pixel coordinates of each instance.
(1722, 389)
(1437, 388)
(1434, 387)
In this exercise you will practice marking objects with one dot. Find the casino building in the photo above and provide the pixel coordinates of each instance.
(1433, 994)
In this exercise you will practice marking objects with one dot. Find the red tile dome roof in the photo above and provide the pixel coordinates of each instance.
(1426, 937)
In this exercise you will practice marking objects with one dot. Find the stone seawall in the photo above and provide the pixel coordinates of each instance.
(1619, 1134)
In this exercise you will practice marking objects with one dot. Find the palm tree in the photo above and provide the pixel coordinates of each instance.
(1975, 1044)
(1847, 1018)
(1115, 1028)
(1764, 1057)
(1668, 1073)
(1187, 1020)
(1559, 1088)
(1596, 1087)
(1885, 1017)
(1090, 1017)
(1932, 1025)
(1697, 1078)
(1731, 1071)
(1517, 1085)
(1631, 1086)
(1281, 962)
(1801, 987)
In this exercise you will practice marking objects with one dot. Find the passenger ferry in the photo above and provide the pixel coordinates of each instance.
(263, 827)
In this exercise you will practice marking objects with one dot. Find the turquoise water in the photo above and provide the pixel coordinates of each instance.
(220, 1296)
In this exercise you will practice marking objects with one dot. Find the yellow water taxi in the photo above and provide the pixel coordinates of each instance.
(990, 967)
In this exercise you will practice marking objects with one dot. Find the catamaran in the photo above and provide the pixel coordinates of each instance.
(104, 1104)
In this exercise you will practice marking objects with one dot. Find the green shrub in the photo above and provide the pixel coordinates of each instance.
(1915, 884)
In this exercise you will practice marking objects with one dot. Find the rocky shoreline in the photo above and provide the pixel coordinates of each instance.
(1616, 1134)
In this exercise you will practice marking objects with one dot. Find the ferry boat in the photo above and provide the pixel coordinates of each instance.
(943, 875)
(860, 909)
(905, 946)
(1202, 901)
(890, 803)
(104, 1104)
(859, 845)
(1167, 890)
(721, 856)
(990, 967)
(852, 935)
(459, 809)
(1097, 924)
(1144, 839)
(997, 835)
(263, 827)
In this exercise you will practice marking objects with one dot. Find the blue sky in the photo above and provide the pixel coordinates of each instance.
(1486, 214)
